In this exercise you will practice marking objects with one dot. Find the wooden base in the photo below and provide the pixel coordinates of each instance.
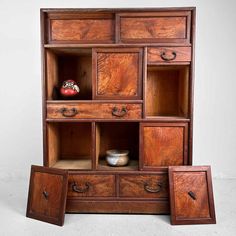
(133, 207)
(73, 164)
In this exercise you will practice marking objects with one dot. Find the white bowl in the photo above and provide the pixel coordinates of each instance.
(117, 157)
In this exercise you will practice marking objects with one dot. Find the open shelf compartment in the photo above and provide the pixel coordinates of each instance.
(110, 135)
(167, 91)
(69, 64)
(69, 145)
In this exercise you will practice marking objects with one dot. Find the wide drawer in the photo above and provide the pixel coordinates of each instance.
(94, 111)
(80, 185)
(143, 186)
(168, 54)
(81, 28)
(155, 27)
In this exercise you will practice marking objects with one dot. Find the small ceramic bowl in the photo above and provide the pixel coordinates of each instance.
(117, 157)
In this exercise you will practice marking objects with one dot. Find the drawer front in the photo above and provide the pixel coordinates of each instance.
(91, 186)
(168, 54)
(117, 73)
(81, 28)
(155, 27)
(164, 144)
(95, 111)
(143, 186)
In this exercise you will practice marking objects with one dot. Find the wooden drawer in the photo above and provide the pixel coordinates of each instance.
(168, 54)
(163, 144)
(81, 28)
(117, 73)
(143, 186)
(154, 27)
(91, 186)
(94, 111)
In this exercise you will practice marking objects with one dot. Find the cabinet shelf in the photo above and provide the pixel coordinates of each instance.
(69, 64)
(70, 145)
(167, 91)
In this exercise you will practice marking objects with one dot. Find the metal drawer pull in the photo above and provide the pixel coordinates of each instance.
(45, 194)
(165, 58)
(192, 195)
(119, 113)
(77, 189)
(68, 112)
(153, 190)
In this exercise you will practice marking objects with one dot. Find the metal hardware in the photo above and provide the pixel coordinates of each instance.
(165, 58)
(119, 113)
(45, 194)
(69, 112)
(153, 190)
(192, 195)
(77, 189)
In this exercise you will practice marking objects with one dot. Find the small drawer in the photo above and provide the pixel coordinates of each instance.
(155, 27)
(94, 111)
(143, 186)
(168, 54)
(81, 28)
(91, 186)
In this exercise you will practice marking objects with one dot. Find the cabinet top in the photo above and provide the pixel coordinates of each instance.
(117, 9)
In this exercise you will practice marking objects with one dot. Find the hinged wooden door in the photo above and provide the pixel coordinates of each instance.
(47, 194)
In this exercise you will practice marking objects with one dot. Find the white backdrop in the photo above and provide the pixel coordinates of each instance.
(20, 74)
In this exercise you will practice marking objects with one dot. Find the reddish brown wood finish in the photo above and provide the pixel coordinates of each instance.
(91, 186)
(154, 27)
(117, 73)
(172, 55)
(191, 187)
(47, 195)
(163, 144)
(143, 186)
(73, 57)
(94, 111)
(81, 28)
(117, 206)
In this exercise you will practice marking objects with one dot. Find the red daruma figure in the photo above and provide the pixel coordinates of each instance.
(69, 88)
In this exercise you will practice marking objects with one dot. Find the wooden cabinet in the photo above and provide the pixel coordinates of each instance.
(134, 68)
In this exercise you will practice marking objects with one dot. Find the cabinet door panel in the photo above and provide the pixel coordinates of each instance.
(117, 73)
(164, 144)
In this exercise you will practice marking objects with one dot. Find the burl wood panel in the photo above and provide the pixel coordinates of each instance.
(167, 91)
(47, 194)
(117, 206)
(94, 186)
(141, 186)
(185, 206)
(163, 146)
(82, 30)
(152, 29)
(94, 111)
(118, 74)
(156, 54)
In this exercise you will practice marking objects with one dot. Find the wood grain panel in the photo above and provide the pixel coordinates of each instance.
(164, 145)
(117, 206)
(154, 27)
(118, 73)
(196, 183)
(47, 194)
(141, 186)
(99, 185)
(82, 30)
(168, 54)
(191, 195)
(94, 111)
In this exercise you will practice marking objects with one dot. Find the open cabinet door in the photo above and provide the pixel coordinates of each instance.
(47, 194)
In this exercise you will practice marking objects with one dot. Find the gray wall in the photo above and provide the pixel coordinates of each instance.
(20, 90)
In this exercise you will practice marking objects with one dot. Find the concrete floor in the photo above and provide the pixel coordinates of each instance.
(13, 199)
